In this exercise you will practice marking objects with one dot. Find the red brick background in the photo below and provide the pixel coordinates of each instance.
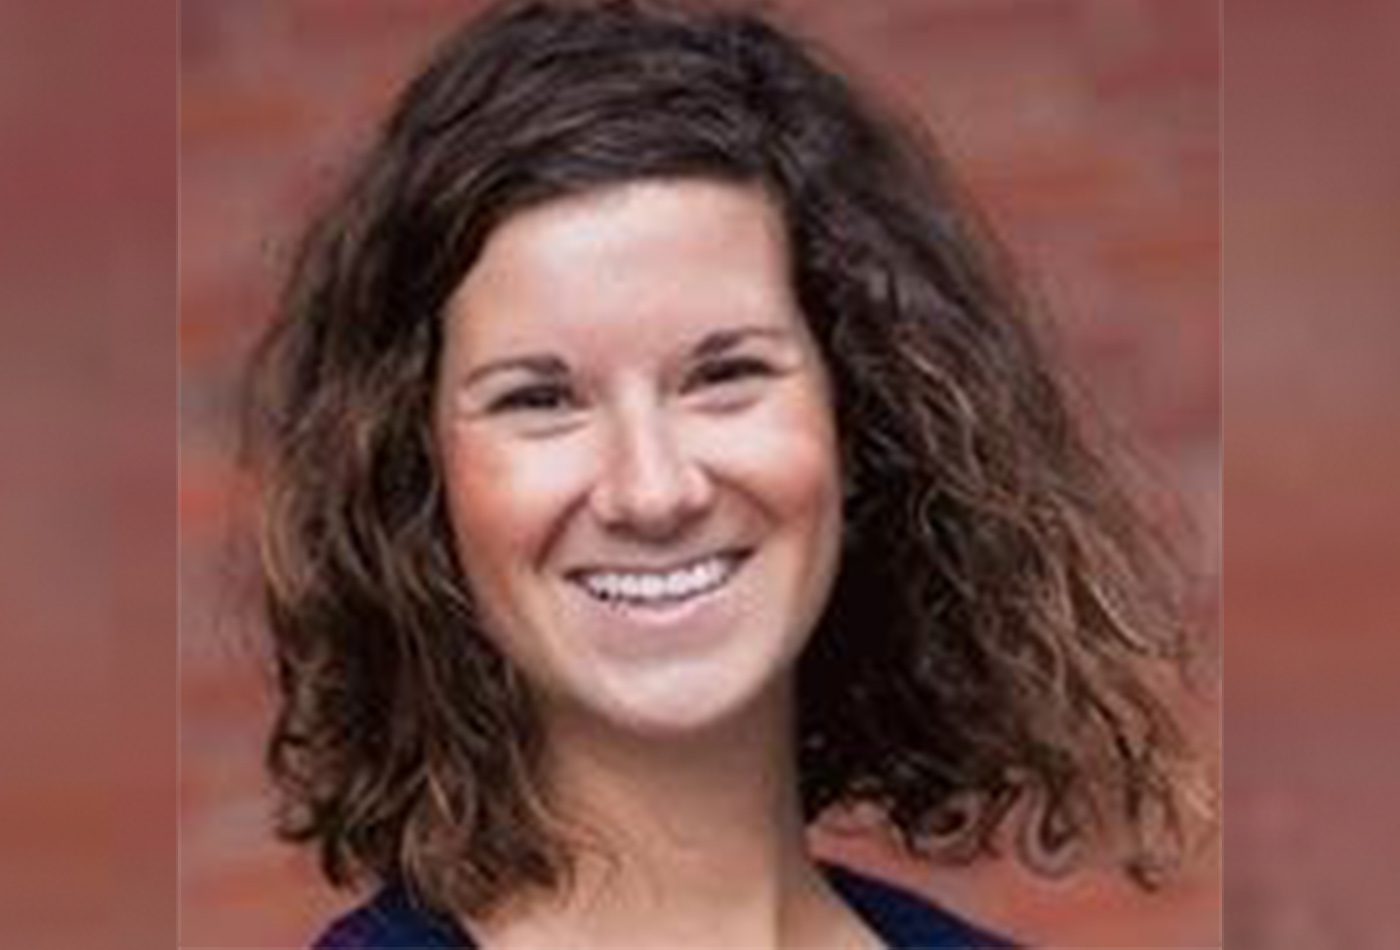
(1312, 400)
(87, 473)
(1088, 127)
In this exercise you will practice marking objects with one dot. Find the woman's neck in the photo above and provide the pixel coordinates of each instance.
(689, 841)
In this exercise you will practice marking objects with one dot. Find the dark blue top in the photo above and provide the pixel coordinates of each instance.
(901, 919)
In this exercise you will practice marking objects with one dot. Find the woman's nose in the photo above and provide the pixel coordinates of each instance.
(650, 485)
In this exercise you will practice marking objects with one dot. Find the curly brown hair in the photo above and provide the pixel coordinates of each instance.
(1000, 607)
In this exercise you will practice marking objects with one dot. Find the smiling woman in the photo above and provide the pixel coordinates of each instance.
(655, 461)
(641, 455)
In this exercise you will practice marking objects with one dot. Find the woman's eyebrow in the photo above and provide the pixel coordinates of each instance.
(536, 364)
(551, 366)
(722, 341)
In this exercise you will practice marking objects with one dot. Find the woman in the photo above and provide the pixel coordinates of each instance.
(655, 462)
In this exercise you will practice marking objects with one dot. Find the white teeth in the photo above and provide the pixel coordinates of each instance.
(650, 587)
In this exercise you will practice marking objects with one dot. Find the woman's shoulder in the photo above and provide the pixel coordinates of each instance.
(903, 919)
(392, 919)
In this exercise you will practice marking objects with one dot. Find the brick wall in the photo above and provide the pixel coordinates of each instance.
(87, 473)
(1312, 402)
(1087, 127)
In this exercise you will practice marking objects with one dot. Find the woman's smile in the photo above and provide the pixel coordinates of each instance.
(638, 613)
(653, 588)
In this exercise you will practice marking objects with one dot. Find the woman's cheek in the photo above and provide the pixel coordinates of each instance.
(507, 494)
(796, 449)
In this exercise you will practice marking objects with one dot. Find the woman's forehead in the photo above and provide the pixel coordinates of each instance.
(672, 252)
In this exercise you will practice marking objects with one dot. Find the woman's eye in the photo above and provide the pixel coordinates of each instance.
(539, 397)
(718, 372)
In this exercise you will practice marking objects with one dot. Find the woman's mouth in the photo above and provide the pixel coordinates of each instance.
(660, 588)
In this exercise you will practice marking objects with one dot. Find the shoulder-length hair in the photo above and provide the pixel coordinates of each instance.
(988, 641)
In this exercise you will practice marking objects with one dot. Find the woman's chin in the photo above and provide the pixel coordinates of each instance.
(673, 706)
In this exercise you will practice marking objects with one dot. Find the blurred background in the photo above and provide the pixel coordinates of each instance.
(1312, 472)
(1088, 128)
(87, 473)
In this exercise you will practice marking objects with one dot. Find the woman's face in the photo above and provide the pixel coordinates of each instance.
(640, 455)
